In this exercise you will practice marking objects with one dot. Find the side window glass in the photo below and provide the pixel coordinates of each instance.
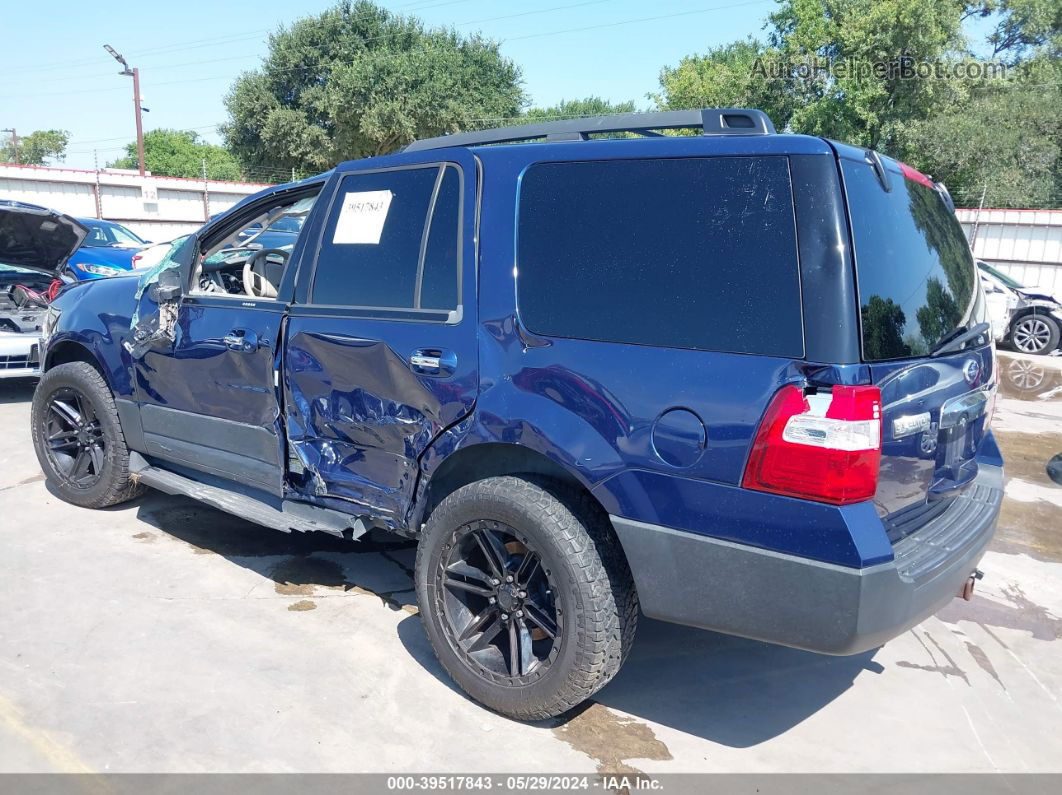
(379, 249)
(441, 260)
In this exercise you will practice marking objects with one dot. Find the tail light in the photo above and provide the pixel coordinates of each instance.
(824, 446)
(136, 260)
(915, 175)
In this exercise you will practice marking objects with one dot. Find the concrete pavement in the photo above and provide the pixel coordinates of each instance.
(163, 636)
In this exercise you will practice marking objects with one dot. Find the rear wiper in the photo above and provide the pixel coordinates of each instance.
(956, 342)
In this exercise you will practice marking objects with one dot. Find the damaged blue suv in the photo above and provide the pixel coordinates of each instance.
(734, 379)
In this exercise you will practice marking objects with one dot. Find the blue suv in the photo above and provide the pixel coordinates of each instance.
(735, 379)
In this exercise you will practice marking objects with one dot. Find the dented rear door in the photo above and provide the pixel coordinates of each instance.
(380, 355)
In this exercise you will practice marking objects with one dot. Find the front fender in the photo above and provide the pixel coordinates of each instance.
(96, 316)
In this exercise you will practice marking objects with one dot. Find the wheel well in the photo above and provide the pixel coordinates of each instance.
(1030, 310)
(480, 461)
(66, 352)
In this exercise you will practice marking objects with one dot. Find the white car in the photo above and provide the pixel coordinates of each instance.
(1029, 319)
(150, 256)
(35, 244)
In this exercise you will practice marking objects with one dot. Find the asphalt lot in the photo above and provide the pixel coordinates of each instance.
(163, 636)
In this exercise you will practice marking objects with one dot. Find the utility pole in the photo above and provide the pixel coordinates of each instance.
(96, 186)
(206, 193)
(14, 142)
(977, 218)
(128, 71)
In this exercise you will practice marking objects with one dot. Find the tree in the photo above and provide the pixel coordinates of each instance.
(727, 76)
(180, 153)
(1004, 144)
(37, 148)
(866, 104)
(1022, 27)
(577, 109)
(833, 68)
(357, 80)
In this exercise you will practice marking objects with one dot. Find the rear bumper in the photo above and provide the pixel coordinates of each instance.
(780, 598)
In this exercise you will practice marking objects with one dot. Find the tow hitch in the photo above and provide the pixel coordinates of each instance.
(966, 592)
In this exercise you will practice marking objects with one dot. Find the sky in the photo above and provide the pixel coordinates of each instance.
(57, 74)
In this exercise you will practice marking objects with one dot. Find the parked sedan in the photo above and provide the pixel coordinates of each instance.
(108, 250)
(1028, 318)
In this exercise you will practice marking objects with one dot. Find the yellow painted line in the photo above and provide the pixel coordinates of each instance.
(65, 760)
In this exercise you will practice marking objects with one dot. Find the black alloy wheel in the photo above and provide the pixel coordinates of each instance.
(499, 604)
(74, 439)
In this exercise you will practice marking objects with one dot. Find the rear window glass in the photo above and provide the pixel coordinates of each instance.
(914, 268)
(686, 253)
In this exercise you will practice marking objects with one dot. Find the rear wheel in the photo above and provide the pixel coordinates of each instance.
(78, 439)
(1035, 334)
(525, 594)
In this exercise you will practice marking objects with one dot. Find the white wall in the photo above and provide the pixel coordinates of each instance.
(178, 207)
(1024, 244)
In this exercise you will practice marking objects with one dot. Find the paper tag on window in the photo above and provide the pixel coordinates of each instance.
(362, 218)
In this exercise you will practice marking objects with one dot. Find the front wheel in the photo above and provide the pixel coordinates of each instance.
(78, 439)
(1035, 334)
(525, 594)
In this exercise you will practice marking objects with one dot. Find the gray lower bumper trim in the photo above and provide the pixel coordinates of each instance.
(706, 582)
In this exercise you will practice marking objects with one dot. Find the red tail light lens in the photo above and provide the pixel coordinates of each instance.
(915, 175)
(824, 447)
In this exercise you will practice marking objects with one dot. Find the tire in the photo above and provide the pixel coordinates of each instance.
(1034, 334)
(577, 568)
(77, 390)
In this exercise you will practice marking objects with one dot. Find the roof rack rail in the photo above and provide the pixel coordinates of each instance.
(713, 121)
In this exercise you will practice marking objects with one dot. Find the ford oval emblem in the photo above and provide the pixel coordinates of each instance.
(971, 370)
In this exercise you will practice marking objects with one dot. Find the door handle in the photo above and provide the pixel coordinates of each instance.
(242, 340)
(433, 361)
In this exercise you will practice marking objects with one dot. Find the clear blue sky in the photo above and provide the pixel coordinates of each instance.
(57, 74)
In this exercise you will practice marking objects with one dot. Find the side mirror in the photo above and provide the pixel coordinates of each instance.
(168, 286)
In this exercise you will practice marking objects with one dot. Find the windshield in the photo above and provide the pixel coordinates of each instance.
(1000, 276)
(107, 234)
(916, 276)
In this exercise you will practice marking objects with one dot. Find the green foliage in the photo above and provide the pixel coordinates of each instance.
(1004, 143)
(357, 80)
(578, 108)
(727, 77)
(862, 107)
(180, 153)
(1023, 27)
(967, 132)
(37, 148)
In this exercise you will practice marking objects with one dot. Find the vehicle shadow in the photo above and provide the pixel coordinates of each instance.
(728, 690)
(299, 564)
(17, 390)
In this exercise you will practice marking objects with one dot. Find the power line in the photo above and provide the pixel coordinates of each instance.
(641, 19)
(212, 41)
(245, 36)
